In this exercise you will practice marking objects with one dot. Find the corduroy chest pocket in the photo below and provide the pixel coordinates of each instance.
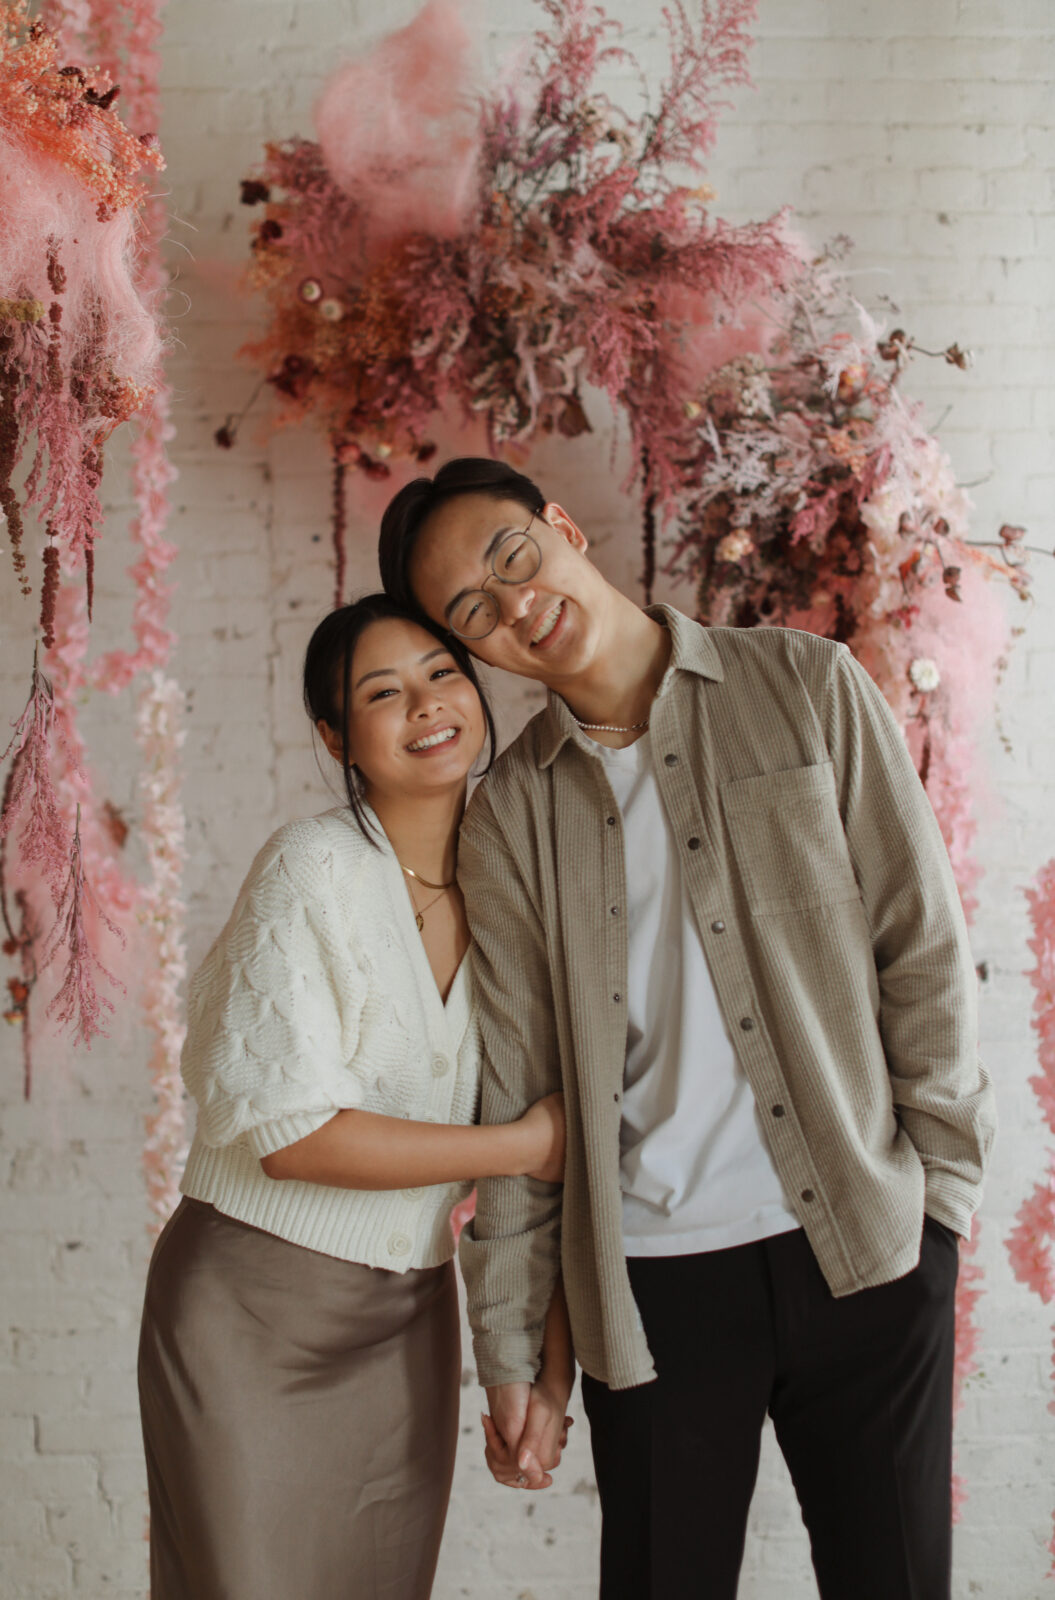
(788, 841)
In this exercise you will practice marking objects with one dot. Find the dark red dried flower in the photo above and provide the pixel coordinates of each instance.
(49, 592)
(225, 437)
(102, 101)
(254, 193)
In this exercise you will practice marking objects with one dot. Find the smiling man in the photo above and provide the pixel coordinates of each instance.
(711, 902)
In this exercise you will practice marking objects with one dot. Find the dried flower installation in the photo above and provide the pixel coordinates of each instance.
(1031, 1243)
(80, 352)
(420, 256)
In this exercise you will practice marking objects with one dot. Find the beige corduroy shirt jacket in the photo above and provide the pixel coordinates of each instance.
(832, 927)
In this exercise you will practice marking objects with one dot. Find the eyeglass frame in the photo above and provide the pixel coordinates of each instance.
(512, 583)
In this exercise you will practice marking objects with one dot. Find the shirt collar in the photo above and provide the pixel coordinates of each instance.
(692, 650)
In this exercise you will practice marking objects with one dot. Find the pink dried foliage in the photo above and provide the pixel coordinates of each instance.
(92, 362)
(69, 198)
(562, 273)
(163, 916)
(708, 56)
(78, 1005)
(1031, 1243)
(31, 811)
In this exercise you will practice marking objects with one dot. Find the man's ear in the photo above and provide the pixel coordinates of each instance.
(561, 523)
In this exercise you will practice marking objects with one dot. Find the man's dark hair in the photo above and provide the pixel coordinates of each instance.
(406, 512)
(328, 676)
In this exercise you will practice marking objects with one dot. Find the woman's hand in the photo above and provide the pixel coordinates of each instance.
(543, 1127)
(534, 1418)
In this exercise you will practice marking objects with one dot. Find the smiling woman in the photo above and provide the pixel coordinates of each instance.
(302, 1296)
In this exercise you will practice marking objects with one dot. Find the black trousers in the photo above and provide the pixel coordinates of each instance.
(860, 1393)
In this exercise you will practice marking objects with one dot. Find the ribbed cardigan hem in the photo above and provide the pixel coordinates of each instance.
(392, 1229)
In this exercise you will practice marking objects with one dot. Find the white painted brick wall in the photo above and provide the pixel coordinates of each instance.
(922, 127)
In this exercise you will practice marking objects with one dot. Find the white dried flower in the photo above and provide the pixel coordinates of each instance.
(735, 545)
(924, 674)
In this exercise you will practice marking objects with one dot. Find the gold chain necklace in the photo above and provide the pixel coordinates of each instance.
(419, 916)
(424, 881)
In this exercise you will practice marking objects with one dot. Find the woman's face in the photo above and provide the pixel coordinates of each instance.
(415, 723)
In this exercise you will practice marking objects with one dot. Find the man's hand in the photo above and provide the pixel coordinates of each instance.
(526, 1432)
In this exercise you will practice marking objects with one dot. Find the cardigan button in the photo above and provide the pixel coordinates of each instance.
(747, 1023)
(398, 1244)
(694, 843)
(671, 759)
(808, 1195)
(718, 926)
(778, 1111)
(440, 1066)
(610, 821)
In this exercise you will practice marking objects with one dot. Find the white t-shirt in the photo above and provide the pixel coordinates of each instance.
(695, 1172)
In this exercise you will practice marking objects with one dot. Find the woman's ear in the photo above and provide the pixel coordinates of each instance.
(561, 523)
(331, 740)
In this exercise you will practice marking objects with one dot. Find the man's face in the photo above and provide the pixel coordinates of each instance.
(549, 627)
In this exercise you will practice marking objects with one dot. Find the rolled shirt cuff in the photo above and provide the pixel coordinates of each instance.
(950, 1200)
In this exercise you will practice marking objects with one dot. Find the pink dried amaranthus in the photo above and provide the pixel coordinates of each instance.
(576, 257)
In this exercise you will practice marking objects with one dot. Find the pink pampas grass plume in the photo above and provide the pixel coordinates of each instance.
(399, 131)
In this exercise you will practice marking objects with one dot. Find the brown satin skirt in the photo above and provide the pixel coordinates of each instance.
(300, 1418)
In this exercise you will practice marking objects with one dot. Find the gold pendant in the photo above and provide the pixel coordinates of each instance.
(420, 920)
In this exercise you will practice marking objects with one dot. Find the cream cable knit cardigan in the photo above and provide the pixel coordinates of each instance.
(317, 997)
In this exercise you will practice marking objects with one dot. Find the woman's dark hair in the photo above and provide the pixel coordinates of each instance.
(406, 513)
(328, 676)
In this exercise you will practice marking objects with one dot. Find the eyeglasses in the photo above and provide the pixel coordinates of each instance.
(515, 559)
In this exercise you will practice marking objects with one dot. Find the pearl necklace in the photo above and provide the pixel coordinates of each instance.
(608, 727)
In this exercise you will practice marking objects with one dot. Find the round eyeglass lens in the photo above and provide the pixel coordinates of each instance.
(516, 559)
(475, 615)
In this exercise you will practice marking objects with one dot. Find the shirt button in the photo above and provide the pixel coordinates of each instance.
(414, 1194)
(808, 1195)
(440, 1065)
(694, 843)
(747, 1023)
(778, 1111)
(718, 926)
(671, 760)
(398, 1244)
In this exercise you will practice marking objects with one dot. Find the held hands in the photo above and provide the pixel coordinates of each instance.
(525, 1433)
(543, 1127)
